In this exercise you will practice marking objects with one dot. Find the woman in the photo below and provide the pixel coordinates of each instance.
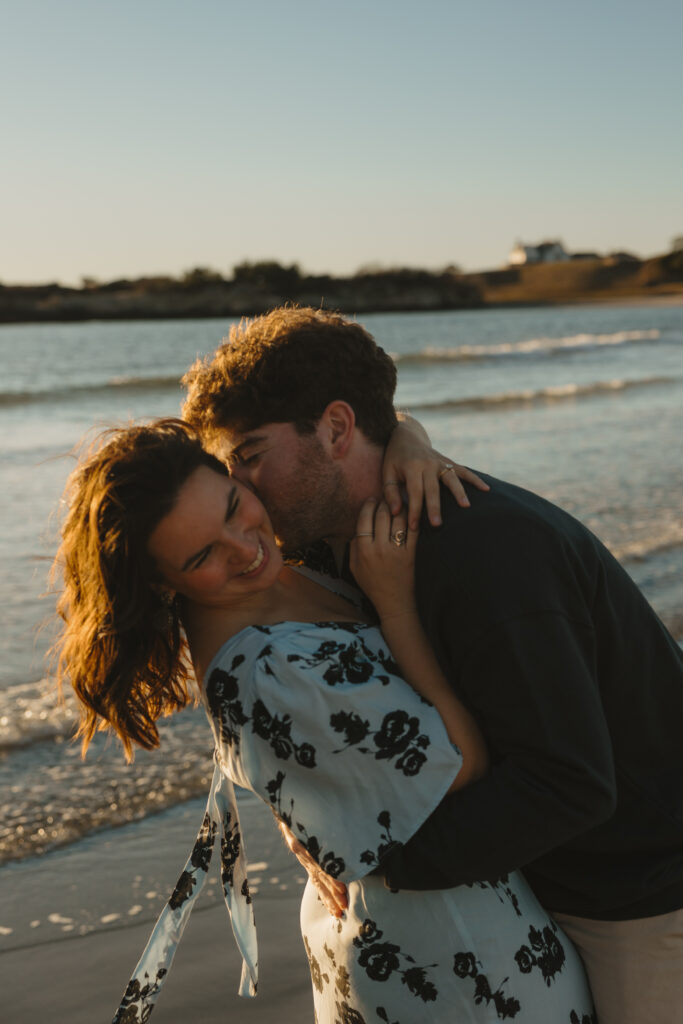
(310, 713)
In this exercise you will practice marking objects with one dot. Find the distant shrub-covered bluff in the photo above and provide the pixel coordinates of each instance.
(257, 287)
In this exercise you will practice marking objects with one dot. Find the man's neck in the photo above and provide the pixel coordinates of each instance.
(363, 475)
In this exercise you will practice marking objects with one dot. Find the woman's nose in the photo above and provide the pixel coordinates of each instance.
(241, 544)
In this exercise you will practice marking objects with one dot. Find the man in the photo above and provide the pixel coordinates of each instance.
(574, 681)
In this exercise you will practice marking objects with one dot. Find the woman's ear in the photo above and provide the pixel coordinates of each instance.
(164, 593)
(337, 426)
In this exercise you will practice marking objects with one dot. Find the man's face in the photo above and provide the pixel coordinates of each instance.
(302, 487)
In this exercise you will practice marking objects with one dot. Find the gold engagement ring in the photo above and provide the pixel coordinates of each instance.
(446, 469)
(399, 538)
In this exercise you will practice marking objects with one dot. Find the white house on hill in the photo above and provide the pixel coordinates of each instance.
(544, 252)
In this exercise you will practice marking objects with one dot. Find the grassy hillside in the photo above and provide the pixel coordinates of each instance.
(583, 280)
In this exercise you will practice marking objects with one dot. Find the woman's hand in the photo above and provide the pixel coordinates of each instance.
(332, 893)
(382, 559)
(410, 460)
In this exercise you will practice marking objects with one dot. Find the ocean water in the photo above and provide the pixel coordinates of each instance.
(582, 404)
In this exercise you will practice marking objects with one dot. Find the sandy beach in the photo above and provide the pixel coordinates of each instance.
(52, 972)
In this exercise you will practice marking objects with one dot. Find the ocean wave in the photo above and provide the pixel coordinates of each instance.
(558, 393)
(527, 347)
(58, 798)
(668, 538)
(33, 713)
(119, 385)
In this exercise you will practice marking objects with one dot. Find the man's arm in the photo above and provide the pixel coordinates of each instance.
(531, 681)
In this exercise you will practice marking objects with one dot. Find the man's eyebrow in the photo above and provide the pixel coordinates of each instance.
(240, 448)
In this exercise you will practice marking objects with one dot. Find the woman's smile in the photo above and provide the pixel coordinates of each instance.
(261, 557)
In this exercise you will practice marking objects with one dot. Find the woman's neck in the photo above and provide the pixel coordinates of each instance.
(293, 597)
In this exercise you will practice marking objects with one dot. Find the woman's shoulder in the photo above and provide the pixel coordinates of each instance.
(287, 638)
(295, 655)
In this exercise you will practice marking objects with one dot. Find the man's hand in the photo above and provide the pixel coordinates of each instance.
(330, 891)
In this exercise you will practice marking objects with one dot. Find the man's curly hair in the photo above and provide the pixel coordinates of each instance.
(286, 367)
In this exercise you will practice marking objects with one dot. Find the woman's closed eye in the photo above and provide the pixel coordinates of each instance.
(202, 558)
(198, 560)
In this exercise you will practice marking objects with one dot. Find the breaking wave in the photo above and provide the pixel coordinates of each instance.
(527, 347)
(559, 393)
(119, 385)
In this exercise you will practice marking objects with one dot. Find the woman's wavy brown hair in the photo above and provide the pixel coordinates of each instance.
(122, 645)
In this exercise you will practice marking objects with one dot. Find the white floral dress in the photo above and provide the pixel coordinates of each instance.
(314, 719)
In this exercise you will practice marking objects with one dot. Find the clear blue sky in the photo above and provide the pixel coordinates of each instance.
(156, 135)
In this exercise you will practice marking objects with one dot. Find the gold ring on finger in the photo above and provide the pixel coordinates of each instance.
(365, 535)
(399, 538)
(446, 469)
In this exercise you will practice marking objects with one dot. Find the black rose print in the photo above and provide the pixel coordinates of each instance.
(386, 845)
(466, 965)
(347, 1015)
(416, 980)
(345, 662)
(245, 891)
(222, 692)
(383, 1015)
(354, 728)
(138, 1000)
(381, 960)
(398, 737)
(231, 842)
(502, 889)
(546, 953)
(350, 661)
(184, 888)
(199, 859)
(203, 848)
(411, 762)
(278, 732)
(397, 731)
(305, 755)
(260, 720)
(317, 976)
(352, 666)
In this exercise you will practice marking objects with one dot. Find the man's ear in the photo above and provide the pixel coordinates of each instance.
(336, 428)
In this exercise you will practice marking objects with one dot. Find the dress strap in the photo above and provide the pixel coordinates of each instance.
(334, 584)
(155, 963)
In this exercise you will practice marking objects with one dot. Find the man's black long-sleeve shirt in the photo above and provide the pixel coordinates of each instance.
(578, 688)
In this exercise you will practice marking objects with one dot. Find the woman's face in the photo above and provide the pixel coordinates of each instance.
(216, 546)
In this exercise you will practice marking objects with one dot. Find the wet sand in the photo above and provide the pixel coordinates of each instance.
(53, 973)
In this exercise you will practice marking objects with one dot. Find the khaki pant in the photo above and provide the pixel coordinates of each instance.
(635, 968)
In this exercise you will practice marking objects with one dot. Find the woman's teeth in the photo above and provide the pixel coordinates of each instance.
(255, 564)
